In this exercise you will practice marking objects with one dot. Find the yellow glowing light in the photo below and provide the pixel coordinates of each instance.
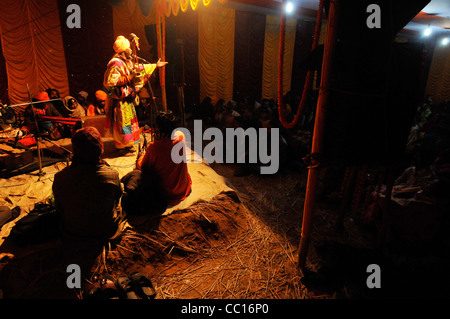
(173, 6)
(184, 4)
(194, 4)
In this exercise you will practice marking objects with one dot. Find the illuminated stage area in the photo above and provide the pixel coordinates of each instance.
(224, 149)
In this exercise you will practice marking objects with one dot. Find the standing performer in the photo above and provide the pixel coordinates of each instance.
(123, 79)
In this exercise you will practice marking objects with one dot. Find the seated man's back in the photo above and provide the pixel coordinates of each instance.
(88, 200)
(87, 193)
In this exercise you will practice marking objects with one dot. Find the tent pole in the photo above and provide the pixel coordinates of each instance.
(322, 102)
(160, 35)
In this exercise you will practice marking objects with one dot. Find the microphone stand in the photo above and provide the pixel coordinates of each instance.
(68, 152)
(38, 136)
(134, 41)
(148, 84)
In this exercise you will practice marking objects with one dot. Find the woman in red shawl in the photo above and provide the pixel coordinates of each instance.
(158, 181)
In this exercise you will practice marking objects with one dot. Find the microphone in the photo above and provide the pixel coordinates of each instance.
(139, 58)
(134, 38)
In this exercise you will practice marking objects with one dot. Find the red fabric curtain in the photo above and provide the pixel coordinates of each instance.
(3, 78)
(89, 48)
(249, 48)
(32, 47)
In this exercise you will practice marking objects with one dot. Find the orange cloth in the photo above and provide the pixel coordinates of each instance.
(93, 110)
(175, 178)
(42, 96)
(90, 110)
(101, 95)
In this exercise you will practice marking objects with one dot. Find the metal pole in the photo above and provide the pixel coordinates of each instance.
(322, 102)
(38, 135)
(31, 103)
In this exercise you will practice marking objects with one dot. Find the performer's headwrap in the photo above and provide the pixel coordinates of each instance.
(121, 44)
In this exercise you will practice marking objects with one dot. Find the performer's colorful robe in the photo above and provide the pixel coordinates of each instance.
(121, 119)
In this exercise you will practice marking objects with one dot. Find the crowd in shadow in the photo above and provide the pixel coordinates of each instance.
(294, 143)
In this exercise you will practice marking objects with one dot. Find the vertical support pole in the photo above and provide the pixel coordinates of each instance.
(322, 102)
(160, 35)
(163, 78)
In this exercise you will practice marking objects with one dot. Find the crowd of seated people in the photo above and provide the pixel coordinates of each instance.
(60, 116)
(89, 197)
(428, 144)
(246, 113)
(33, 116)
(91, 201)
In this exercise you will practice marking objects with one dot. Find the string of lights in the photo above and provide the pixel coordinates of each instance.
(443, 40)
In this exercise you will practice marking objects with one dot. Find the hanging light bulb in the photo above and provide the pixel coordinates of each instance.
(445, 41)
(427, 31)
(289, 7)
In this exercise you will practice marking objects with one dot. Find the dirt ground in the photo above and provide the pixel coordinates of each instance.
(240, 245)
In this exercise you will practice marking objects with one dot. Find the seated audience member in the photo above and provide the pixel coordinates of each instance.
(88, 192)
(53, 94)
(40, 109)
(230, 115)
(175, 179)
(98, 108)
(82, 98)
(247, 119)
(288, 101)
(219, 108)
(269, 121)
(73, 108)
(205, 111)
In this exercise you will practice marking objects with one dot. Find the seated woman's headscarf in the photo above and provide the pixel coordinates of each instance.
(73, 108)
(87, 146)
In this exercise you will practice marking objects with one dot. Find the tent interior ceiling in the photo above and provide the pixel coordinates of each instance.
(436, 13)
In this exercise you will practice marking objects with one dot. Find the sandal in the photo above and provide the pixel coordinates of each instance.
(143, 285)
(127, 287)
(104, 288)
(94, 291)
(110, 289)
